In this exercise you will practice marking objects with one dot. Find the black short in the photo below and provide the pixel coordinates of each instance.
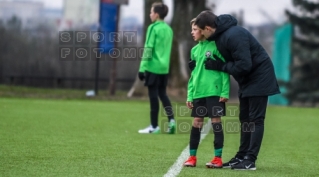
(152, 79)
(208, 107)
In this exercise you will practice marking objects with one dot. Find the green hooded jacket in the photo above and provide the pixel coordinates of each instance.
(157, 48)
(205, 83)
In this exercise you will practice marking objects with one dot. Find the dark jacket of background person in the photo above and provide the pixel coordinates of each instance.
(247, 61)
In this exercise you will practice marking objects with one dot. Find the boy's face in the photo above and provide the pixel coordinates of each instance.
(196, 33)
(154, 16)
(208, 31)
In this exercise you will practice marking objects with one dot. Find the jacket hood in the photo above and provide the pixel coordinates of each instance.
(223, 23)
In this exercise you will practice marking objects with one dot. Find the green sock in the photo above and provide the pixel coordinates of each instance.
(192, 152)
(218, 152)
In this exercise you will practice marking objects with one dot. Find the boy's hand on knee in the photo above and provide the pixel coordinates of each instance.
(221, 99)
(189, 104)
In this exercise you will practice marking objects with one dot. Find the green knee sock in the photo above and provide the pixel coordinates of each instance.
(193, 152)
(218, 152)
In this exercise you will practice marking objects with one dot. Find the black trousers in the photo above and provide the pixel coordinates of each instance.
(156, 84)
(251, 117)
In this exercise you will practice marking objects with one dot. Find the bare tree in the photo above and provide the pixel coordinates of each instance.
(184, 12)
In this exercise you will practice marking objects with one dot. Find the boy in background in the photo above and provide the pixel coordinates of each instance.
(154, 67)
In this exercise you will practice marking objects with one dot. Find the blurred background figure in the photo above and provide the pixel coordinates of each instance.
(30, 44)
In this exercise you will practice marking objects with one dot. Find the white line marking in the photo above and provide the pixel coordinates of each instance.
(176, 168)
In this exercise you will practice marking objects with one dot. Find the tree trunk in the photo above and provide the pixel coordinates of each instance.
(184, 12)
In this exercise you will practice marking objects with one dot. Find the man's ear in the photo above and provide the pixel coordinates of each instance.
(209, 28)
(204, 28)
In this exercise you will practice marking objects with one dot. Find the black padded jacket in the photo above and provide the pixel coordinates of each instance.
(247, 61)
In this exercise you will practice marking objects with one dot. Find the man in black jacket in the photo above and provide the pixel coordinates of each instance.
(248, 62)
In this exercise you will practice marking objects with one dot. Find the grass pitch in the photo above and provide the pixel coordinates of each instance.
(99, 138)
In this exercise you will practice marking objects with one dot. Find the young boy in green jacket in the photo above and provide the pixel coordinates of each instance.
(154, 67)
(207, 93)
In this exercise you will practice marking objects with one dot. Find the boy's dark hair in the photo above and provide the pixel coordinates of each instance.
(206, 18)
(161, 9)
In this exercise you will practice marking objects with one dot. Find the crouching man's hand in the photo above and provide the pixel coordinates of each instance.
(217, 64)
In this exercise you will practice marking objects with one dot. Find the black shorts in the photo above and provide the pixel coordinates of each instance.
(152, 79)
(208, 107)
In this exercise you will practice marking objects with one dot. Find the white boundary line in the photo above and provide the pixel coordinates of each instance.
(176, 168)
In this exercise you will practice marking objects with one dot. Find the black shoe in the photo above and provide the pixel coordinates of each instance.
(232, 162)
(245, 165)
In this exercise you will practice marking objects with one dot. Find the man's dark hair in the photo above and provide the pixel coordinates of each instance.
(205, 18)
(161, 9)
(192, 21)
